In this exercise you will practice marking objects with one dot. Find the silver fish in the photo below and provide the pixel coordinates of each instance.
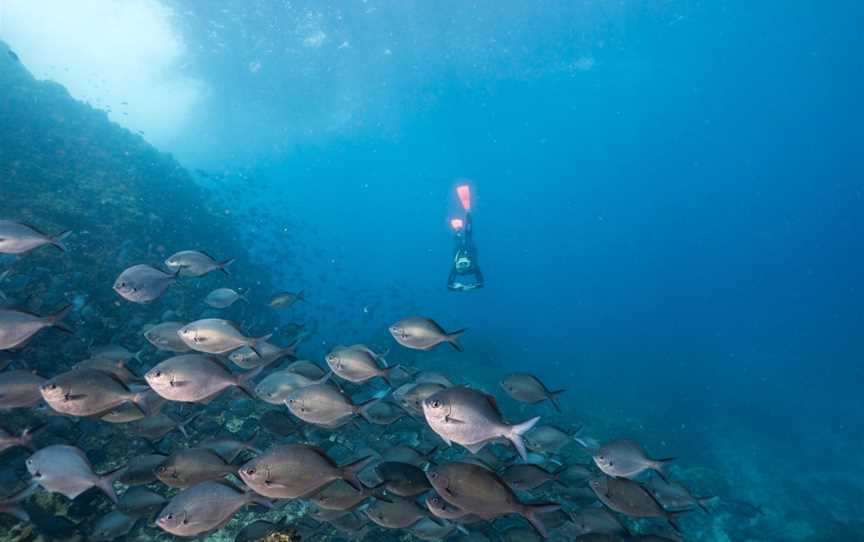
(277, 386)
(357, 364)
(193, 378)
(340, 495)
(675, 496)
(222, 298)
(527, 388)
(89, 392)
(17, 327)
(384, 413)
(247, 358)
(20, 389)
(398, 514)
(432, 530)
(547, 439)
(326, 406)
(525, 477)
(111, 526)
(596, 520)
(165, 336)
(66, 470)
(297, 470)
(626, 459)
(189, 466)
(142, 283)
(193, 263)
(481, 491)
(140, 502)
(630, 498)
(24, 440)
(402, 479)
(423, 334)
(18, 238)
(443, 509)
(205, 507)
(217, 336)
(286, 299)
(472, 418)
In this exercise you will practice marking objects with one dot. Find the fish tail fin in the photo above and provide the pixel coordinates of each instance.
(659, 465)
(137, 355)
(256, 344)
(377, 492)
(557, 475)
(387, 374)
(516, 432)
(105, 482)
(552, 396)
(56, 319)
(453, 338)
(244, 378)
(672, 518)
(139, 399)
(702, 502)
(363, 408)
(57, 240)
(532, 513)
(250, 444)
(349, 472)
(29, 434)
(182, 425)
(224, 266)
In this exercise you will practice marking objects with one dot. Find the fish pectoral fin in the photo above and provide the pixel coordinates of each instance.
(75, 397)
(179, 383)
(448, 419)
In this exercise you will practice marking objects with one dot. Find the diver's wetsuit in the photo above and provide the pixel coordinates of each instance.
(465, 264)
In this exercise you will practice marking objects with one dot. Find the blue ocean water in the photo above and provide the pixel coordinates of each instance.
(667, 211)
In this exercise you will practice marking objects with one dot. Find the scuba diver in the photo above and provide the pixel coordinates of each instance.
(465, 274)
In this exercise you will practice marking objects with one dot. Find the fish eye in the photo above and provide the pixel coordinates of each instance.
(157, 374)
(436, 404)
(169, 516)
(161, 468)
(250, 472)
(433, 475)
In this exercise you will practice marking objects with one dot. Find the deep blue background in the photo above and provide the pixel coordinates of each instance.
(674, 235)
